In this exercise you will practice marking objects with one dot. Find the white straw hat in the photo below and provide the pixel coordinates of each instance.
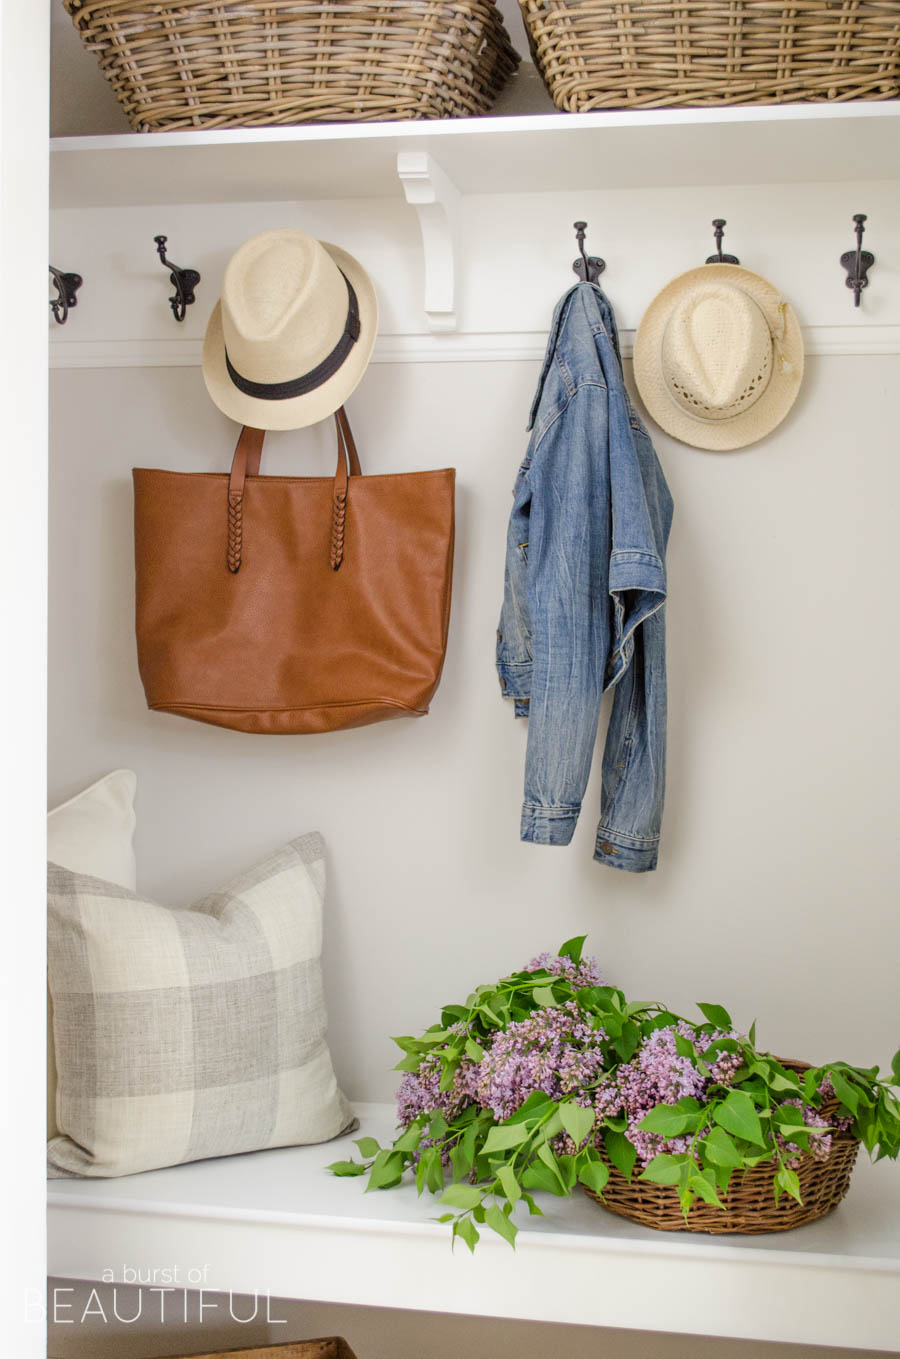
(718, 357)
(292, 332)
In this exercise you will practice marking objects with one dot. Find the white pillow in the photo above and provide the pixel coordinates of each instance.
(91, 833)
(184, 1034)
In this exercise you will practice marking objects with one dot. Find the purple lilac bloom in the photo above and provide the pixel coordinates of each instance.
(555, 1050)
(420, 1093)
(585, 973)
(819, 1145)
(657, 1075)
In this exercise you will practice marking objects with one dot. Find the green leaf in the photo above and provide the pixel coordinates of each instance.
(474, 1050)
(567, 1171)
(716, 1014)
(387, 1170)
(665, 1168)
(460, 1161)
(572, 948)
(449, 1073)
(720, 1148)
(411, 1062)
(786, 1179)
(788, 1119)
(671, 1120)
(703, 1183)
(538, 1176)
(737, 1114)
(535, 1105)
(577, 1121)
(621, 1152)
(504, 1136)
(434, 1170)
(845, 1092)
(498, 1222)
(628, 1041)
(684, 1047)
(546, 1155)
(751, 1036)
(533, 1209)
(463, 1196)
(438, 1125)
(408, 1142)
(544, 996)
(895, 1067)
(774, 1078)
(595, 1174)
(368, 1147)
(346, 1168)
(465, 1229)
(509, 1184)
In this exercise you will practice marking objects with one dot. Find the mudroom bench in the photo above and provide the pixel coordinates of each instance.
(278, 1222)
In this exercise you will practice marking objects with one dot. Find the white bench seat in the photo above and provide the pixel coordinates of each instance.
(277, 1222)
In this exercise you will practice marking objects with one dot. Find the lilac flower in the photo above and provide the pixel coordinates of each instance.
(655, 1075)
(585, 973)
(554, 1050)
(819, 1145)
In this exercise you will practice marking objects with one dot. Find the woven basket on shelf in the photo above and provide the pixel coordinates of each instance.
(194, 65)
(750, 1206)
(616, 54)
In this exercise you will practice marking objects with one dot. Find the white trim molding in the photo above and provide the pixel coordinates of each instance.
(474, 347)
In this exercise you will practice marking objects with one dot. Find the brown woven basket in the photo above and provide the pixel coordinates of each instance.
(192, 65)
(750, 1206)
(615, 54)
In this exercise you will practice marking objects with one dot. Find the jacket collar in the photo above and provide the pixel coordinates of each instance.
(597, 301)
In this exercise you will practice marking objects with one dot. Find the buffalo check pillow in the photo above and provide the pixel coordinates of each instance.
(184, 1034)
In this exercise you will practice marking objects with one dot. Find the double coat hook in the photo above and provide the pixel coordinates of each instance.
(67, 286)
(587, 267)
(719, 224)
(858, 262)
(183, 280)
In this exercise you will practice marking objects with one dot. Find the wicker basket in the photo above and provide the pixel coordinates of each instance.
(614, 54)
(192, 65)
(750, 1206)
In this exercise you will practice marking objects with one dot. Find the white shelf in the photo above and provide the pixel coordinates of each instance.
(803, 143)
(276, 1222)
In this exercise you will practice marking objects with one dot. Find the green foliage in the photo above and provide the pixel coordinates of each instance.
(480, 1170)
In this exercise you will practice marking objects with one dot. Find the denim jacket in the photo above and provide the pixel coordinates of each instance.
(585, 589)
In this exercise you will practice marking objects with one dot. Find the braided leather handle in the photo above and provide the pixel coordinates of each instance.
(246, 462)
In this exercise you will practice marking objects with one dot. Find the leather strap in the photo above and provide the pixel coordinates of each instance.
(246, 463)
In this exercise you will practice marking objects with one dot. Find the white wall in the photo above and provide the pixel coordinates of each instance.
(777, 887)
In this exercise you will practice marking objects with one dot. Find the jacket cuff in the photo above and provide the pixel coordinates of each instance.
(548, 825)
(628, 853)
(515, 683)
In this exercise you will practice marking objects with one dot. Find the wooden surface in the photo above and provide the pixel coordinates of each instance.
(332, 1348)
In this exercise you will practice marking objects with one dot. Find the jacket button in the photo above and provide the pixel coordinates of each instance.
(606, 848)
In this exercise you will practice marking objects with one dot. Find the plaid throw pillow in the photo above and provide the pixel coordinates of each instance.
(183, 1034)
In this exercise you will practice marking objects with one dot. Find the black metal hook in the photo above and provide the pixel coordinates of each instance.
(67, 286)
(587, 267)
(183, 280)
(718, 258)
(857, 262)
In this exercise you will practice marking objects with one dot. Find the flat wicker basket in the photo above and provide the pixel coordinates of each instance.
(202, 65)
(616, 54)
(750, 1206)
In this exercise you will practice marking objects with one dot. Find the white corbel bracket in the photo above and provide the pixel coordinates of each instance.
(436, 201)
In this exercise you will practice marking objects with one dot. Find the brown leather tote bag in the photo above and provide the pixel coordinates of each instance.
(292, 604)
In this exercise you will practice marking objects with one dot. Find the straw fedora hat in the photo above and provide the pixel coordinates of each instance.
(718, 357)
(292, 332)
